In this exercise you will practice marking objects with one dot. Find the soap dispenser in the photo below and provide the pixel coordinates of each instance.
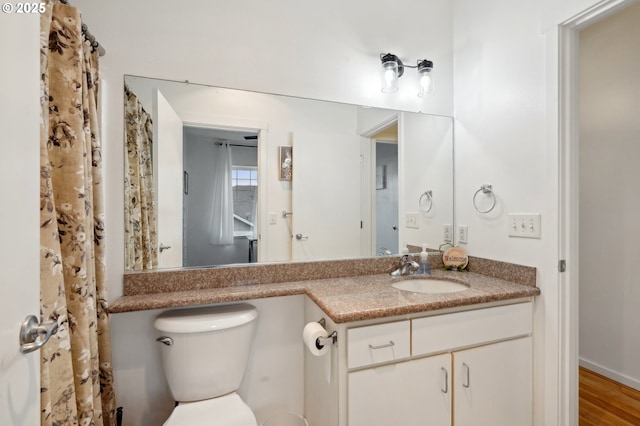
(424, 268)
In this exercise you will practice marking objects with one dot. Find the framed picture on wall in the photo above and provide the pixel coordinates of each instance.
(285, 159)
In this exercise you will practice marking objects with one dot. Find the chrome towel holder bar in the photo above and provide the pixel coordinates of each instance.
(428, 195)
(486, 189)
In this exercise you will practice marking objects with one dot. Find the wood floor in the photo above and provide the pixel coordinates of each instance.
(605, 402)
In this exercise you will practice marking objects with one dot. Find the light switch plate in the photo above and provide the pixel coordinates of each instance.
(273, 218)
(525, 225)
(447, 233)
(411, 220)
(463, 234)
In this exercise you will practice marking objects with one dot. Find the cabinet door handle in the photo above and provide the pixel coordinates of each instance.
(445, 376)
(386, 345)
(466, 383)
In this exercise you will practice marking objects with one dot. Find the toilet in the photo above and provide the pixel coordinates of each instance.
(204, 356)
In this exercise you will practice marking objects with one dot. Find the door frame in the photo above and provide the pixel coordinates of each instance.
(568, 203)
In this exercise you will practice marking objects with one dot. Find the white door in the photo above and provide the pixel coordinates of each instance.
(493, 384)
(168, 175)
(326, 189)
(19, 190)
(414, 393)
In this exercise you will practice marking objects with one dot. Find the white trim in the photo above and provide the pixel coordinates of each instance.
(568, 226)
(222, 123)
(383, 125)
(246, 222)
(263, 172)
(611, 374)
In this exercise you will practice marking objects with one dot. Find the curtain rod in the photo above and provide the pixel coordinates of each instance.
(90, 37)
(235, 144)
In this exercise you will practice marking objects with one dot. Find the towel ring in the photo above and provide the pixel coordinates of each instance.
(485, 189)
(429, 196)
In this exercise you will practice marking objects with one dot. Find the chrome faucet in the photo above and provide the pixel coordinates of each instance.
(408, 266)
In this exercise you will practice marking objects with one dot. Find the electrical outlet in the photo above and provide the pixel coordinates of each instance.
(411, 220)
(447, 233)
(525, 225)
(463, 234)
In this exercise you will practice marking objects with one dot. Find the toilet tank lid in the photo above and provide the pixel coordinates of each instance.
(211, 318)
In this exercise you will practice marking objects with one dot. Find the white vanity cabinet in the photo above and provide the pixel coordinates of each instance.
(493, 384)
(411, 393)
(471, 367)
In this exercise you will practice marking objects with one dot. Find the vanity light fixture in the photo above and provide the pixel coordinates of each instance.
(425, 71)
(393, 69)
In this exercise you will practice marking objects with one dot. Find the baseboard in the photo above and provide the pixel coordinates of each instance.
(611, 374)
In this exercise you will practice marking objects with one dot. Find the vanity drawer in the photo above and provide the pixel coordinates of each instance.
(451, 331)
(378, 343)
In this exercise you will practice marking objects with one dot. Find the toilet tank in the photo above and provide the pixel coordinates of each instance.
(205, 350)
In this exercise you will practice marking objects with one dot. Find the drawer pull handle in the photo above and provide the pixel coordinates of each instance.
(466, 382)
(445, 374)
(386, 345)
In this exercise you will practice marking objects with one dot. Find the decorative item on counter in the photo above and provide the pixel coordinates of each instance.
(455, 259)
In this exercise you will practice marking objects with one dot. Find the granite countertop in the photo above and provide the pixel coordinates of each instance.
(343, 299)
(370, 297)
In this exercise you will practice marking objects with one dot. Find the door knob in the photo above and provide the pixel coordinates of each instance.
(34, 335)
(301, 237)
(163, 248)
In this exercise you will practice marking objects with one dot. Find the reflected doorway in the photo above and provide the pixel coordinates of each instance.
(386, 190)
(202, 145)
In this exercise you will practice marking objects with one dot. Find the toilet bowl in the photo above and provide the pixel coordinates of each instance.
(204, 355)
(228, 410)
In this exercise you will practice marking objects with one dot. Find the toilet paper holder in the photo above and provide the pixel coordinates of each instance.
(332, 338)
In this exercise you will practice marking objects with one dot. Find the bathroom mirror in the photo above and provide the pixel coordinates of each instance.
(306, 179)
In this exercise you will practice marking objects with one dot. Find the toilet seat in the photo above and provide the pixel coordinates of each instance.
(227, 410)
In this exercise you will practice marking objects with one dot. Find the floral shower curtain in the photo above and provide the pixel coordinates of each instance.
(141, 233)
(76, 374)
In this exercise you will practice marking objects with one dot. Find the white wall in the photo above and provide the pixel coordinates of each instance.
(499, 122)
(326, 50)
(425, 158)
(506, 79)
(609, 202)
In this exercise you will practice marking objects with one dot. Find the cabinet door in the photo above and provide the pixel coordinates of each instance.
(413, 393)
(493, 384)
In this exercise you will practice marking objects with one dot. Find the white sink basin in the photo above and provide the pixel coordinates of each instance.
(426, 285)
